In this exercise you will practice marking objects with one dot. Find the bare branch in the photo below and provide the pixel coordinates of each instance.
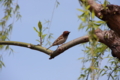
(27, 45)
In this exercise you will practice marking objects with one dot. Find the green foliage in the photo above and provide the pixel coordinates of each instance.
(94, 52)
(40, 31)
(1, 63)
(57, 3)
(10, 11)
(106, 2)
(111, 71)
(48, 39)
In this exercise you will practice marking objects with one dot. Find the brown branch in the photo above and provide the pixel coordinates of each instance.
(52, 54)
(112, 40)
(68, 45)
(111, 14)
(109, 38)
(93, 6)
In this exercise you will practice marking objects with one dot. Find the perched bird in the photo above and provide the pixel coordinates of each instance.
(61, 39)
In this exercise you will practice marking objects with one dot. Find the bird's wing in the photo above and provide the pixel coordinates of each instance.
(59, 40)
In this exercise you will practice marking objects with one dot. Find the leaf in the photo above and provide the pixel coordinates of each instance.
(11, 51)
(105, 4)
(81, 10)
(40, 34)
(6, 17)
(97, 25)
(40, 26)
(93, 14)
(57, 3)
(10, 27)
(82, 75)
(1, 63)
(103, 74)
(100, 22)
(81, 58)
(81, 26)
(7, 47)
(83, 19)
(82, 15)
(17, 7)
(43, 36)
(88, 6)
(102, 71)
(36, 30)
(106, 67)
(87, 13)
(38, 40)
(50, 36)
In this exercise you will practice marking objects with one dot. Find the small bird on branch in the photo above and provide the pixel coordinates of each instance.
(61, 39)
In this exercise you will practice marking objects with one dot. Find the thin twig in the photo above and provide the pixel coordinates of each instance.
(112, 72)
(87, 76)
(40, 41)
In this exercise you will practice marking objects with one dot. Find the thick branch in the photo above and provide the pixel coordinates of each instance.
(111, 14)
(68, 45)
(94, 6)
(109, 38)
(112, 40)
(52, 54)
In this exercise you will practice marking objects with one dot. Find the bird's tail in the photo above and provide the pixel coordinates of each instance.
(49, 47)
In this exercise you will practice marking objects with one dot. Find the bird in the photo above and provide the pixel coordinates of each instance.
(61, 39)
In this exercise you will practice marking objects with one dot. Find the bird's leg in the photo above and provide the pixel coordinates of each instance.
(60, 47)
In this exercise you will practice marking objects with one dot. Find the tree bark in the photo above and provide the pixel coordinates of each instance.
(111, 38)
(111, 15)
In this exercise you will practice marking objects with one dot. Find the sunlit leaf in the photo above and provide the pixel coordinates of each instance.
(81, 26)
(43, 36)
(93, 14)
(36, 30)
(81, 10)
(88, 6)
